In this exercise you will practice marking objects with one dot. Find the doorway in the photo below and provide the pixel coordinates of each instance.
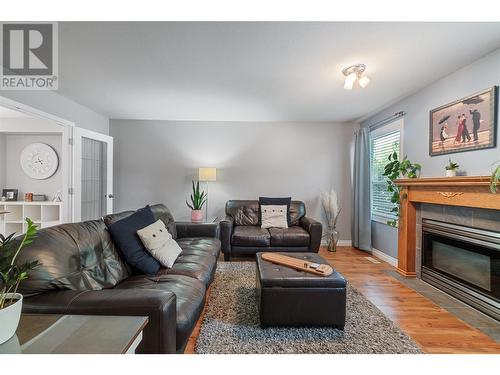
(85, 162)
(93, 175)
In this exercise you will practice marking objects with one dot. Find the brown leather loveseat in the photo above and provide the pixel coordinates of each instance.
(241, 233)
(82, 272)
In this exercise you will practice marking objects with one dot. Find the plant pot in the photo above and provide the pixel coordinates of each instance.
(10, 316)
(451, 172)
(196, 216)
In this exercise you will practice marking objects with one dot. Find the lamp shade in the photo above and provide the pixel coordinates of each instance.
(207, 174)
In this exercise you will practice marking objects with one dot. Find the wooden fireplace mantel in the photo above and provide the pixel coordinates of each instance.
(465, 191)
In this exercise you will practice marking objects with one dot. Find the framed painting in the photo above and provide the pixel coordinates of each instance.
(466, 124)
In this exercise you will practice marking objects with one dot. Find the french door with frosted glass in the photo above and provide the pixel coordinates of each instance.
(92, 175)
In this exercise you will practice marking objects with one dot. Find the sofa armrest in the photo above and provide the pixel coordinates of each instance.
(159, 306)
(315, 230)
(226, 232)
(187, 229)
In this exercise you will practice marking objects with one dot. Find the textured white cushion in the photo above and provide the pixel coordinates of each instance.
(274, 216)
(159, 242)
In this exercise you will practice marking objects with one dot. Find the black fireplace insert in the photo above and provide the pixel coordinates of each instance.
(464, 262)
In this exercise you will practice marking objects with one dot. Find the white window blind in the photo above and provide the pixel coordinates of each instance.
(381, 145)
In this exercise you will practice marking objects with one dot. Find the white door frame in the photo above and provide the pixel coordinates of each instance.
(66, 131)
(78, 134)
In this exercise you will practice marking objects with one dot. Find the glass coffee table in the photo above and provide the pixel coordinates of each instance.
(76, 334)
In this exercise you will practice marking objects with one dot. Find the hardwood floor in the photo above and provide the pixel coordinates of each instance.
(432, 327)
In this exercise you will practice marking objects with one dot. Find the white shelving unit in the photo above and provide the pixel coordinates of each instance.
(43, 214)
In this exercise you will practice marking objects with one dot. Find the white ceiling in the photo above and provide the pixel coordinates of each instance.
(9, 113)
(287, 71)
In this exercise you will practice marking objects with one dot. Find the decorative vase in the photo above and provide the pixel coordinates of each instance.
(451, 172)
(10, 316)
(333, 240)
(196, 216)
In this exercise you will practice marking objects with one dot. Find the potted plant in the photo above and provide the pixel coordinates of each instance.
(11, 275)
(392, 171)
(332, 210)
(198, 199)
(451, 168)
(495, 178)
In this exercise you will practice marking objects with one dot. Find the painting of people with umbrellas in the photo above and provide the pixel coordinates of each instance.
(464, 125)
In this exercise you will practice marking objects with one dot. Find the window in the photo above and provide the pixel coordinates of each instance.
(383, 142)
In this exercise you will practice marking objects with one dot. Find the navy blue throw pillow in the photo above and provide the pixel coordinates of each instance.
(124, 235)
(265, 201)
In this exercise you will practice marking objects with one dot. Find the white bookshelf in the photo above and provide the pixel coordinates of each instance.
(43, 214)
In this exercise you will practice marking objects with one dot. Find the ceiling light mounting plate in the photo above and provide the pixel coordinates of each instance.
(357, 68)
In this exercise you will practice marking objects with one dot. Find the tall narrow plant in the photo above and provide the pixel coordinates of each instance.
(12, 274)
(198, 198)
(332, 210)
(392, 171)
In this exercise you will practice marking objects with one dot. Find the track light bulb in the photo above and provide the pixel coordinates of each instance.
(364, 81)
(349, 81)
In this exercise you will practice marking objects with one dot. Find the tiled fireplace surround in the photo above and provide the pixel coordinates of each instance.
(474, 217)
(457, 200)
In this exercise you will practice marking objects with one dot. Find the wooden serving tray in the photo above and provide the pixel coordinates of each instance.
(299, 264)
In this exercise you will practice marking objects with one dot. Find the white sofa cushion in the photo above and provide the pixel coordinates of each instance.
(159, 242)
(274, 216)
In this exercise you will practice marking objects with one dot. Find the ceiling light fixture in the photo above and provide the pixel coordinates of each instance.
(353, 73)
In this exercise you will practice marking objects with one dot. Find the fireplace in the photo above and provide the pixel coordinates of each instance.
(464, 262)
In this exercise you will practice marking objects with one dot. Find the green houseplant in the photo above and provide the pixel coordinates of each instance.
(11, 275)
(198, 199)
(451, 168)
(495, 178)
(392, 171)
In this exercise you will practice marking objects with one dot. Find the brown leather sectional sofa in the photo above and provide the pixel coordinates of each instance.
(241, 233)
(82, 272)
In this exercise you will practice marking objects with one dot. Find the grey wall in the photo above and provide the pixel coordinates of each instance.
(2, 161)
(385, 238)
(155, 161)
(477, 76)
(58, 105)
(15, 178)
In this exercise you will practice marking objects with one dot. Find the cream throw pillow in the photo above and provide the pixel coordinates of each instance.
(159, 242)
(274, 216)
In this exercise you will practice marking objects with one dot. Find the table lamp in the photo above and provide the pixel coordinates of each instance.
(207, 174)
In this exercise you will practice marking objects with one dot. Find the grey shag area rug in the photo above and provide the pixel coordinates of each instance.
(231, 324)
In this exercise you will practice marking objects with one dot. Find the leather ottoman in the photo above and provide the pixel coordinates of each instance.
(288, 297)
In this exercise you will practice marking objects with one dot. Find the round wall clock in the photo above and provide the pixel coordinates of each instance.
(39, 161)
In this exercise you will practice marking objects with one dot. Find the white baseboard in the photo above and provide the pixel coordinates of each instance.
(340, 243)
(344, 243)
(386, 258)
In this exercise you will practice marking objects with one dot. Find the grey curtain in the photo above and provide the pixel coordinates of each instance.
(361, 225)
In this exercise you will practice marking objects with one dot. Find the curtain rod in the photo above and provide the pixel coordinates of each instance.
(380, 123)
